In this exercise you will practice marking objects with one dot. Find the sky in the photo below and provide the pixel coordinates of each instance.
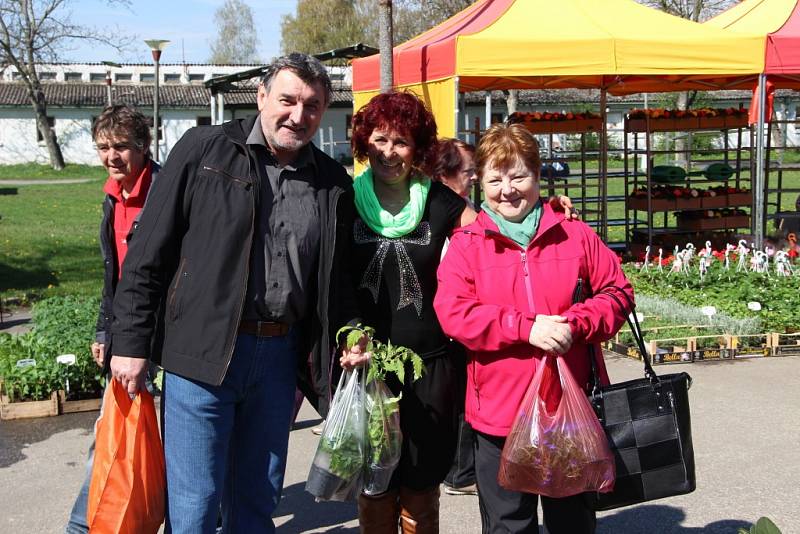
(188, 24)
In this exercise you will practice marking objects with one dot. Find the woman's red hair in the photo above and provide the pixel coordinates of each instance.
(401, 112)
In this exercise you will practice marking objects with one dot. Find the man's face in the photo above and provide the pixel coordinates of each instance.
(290, 112)
(123, 160)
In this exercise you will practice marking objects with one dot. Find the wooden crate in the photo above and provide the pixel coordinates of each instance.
(719, 201)
(75, 406)
(715, 223)
(740, 199)
(657, 204)
(691, 203)
(24, 410)
(671, 124)
(565, 126)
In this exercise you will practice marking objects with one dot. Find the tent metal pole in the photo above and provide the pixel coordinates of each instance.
(758, 185)
(488, 109)
(458, 108)
(603, 168)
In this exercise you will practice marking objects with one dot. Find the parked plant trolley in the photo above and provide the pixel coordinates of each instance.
(49, 370)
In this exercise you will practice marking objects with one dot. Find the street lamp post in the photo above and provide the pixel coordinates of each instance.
(109, 64)
(156, 47)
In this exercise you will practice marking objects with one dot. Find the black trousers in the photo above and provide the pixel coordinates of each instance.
(462, 472)
(512, 512)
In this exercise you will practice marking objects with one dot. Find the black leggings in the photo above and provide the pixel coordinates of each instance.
(512, 512)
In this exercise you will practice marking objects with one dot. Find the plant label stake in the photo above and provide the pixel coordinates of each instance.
(66, 359)
(26, 362)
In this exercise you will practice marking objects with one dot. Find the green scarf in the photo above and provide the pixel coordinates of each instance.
(381, 221)
(520, 232)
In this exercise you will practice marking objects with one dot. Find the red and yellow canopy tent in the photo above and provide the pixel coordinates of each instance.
(614, 45)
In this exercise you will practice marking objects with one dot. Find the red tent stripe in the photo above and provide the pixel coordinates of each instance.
(430, 56)
(783, 46)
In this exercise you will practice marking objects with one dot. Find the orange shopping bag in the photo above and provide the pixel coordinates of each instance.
(127, 491)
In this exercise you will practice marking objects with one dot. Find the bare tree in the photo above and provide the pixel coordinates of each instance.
(386, 44)
(37, 31)
(236, 34)
(696, 10)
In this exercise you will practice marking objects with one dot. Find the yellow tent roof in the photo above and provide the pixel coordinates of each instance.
(755, 16)
(617, 44)
(609, 38)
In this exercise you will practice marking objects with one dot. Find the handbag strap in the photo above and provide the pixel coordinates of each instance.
(636, 332)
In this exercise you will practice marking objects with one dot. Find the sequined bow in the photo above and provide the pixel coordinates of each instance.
(410, 290)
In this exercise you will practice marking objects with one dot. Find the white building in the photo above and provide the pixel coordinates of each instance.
(76, 93)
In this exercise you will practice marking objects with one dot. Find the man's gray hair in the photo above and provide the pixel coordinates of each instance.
(307, 68)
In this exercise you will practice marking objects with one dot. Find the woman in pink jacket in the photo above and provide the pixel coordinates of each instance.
(515, 285)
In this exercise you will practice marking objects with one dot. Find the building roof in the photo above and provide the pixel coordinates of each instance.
(70, 95)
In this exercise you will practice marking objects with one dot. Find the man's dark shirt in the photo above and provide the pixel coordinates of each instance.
(286, 238)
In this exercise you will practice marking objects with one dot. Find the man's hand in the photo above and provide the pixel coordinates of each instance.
(551, 333)
(562, 203)
(99, 353)
(356, 356)
(130, 372)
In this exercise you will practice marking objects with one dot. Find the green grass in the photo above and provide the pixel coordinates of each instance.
(49, 241)
(35, 171)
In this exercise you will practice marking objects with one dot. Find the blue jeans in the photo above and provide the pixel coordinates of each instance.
(76, 524)
(227, 444)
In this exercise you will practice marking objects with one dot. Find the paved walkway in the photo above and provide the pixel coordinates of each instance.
(746, 426)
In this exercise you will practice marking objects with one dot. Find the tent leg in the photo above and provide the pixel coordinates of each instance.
(488, 109)
(758, 186)
(603, 168)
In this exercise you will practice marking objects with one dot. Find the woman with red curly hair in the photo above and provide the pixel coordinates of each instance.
(403, 220)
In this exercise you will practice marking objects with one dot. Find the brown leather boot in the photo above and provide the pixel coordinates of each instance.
(378, 514)
(419, 511)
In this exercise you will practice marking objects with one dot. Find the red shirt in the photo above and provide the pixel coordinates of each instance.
(126, 210)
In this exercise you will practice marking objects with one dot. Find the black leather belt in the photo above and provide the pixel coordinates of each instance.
(263, 328)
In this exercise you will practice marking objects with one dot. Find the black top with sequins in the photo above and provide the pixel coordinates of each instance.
(397, 277)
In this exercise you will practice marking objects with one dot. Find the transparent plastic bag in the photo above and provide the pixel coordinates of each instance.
(337, 470)
(384, 437)
(556, 447)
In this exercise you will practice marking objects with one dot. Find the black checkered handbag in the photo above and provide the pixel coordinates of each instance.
(648, 426)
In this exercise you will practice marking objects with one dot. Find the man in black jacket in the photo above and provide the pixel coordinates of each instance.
(247, 236)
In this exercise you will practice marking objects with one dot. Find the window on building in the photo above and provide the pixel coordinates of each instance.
(196, 77)
(172, 78)
(348, 126)
(217, 75)
(72, 76)
(16, 76)
(52, 122)
(147, 77)
(497, 117)
(97, 77)
(123, 76)
(47, 76)
(204, 121)
(336, 76)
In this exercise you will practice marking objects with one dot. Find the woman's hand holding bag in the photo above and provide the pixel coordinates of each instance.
(556, 446)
